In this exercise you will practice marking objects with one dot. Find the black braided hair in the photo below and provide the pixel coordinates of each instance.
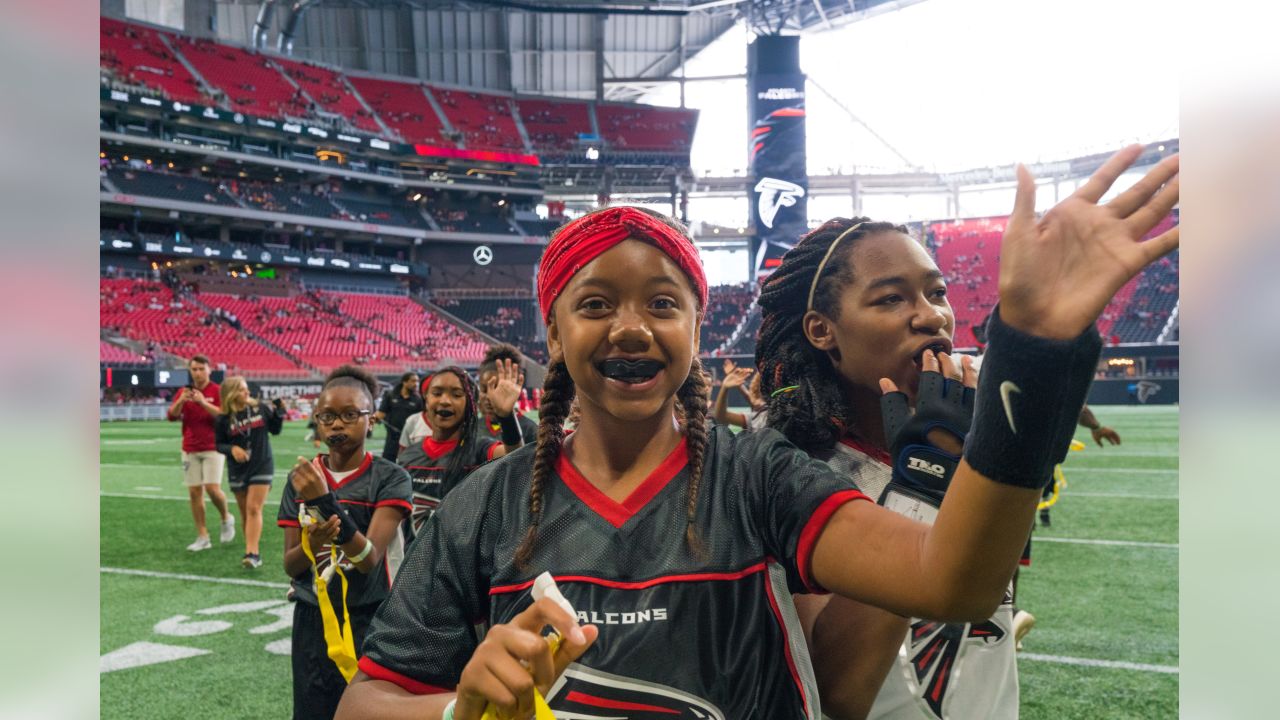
(456, 470)
(557, 395)
(694, 397)
(798, 381)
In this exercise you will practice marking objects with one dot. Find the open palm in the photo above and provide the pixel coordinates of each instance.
(1058, 273)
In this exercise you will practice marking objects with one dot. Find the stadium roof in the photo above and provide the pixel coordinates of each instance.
(612, 49)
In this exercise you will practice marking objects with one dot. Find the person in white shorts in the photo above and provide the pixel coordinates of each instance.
(197, 406)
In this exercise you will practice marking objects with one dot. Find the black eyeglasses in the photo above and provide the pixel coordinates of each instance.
(348, 416)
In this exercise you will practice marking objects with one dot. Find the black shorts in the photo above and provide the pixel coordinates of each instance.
(317, 683)
(237, 484)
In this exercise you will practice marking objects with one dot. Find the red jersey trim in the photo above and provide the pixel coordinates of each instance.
(395, 502)
(436, 450)
(813, 528)
(639, 584)
(288, 523)
(875, 453)
(328, 478)
(377, 672)
(580, 697)
(786, 646)
(615, 513)
(493, 449)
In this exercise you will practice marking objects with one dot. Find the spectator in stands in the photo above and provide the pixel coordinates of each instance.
(241, 431)
(398, 405)
(490, 427)
(197, 406)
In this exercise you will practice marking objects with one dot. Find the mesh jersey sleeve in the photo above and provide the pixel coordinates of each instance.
(797, 495)
(485, 450)
(424, 633)
(395, 488)
(288, 513)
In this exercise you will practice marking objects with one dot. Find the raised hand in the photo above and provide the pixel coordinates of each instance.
(737, 376)
(504, 388)
(307, 479)
(515, 658)
(1058, 273)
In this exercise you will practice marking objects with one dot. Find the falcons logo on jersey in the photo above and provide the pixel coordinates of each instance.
(582, 693)
(935, 647)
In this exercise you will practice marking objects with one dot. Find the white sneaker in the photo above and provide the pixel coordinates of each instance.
(251, 561)
(228, 530)
(201, 543)
(1023, 621)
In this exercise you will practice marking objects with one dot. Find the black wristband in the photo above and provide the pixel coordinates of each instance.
(328, 506)
(511, 433)
(1030, 392)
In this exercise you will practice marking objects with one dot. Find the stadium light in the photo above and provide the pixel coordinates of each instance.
(417, 197)
(593, 153)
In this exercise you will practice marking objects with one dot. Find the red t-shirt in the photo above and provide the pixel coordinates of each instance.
(197, 423)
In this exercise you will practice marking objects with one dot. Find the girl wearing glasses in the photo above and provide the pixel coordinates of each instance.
(354, 503)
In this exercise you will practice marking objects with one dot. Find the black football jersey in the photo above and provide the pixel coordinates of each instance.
(376, 483)
(710, 636)
(248, 430)
(428, 460)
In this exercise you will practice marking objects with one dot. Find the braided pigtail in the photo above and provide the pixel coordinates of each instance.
(693, 397)
(557, 395)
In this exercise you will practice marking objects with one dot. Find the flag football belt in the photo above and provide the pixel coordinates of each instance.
(1059, 481)
(1030, 392)
(340, 641)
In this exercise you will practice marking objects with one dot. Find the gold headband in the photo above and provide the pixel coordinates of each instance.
(814, 285)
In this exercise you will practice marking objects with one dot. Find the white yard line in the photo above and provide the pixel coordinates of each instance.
(194, 578)
(1071, 469)
(1135, 496)
(1091, 662)
(1119, 543)
(140, 495)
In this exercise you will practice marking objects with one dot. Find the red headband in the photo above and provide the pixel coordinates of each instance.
(584, 239)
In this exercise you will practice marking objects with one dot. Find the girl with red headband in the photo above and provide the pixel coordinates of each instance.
(454, 447)
(676, 544)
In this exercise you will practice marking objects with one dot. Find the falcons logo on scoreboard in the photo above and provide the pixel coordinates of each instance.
(582, 693)
(935, 648)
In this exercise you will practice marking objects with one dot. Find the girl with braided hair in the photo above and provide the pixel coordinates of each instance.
(853, 302)
(677, 545)
(455, 446)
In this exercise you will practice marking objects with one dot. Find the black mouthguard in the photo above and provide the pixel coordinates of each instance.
(637, 370)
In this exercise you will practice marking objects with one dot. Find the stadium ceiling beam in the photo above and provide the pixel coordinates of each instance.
(601, 9)
(661, 80)
(817, 4)
(860, 121)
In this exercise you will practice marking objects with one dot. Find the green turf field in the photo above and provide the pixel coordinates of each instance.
(194, 634)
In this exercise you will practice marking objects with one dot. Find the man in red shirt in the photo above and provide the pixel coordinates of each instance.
(197, 407)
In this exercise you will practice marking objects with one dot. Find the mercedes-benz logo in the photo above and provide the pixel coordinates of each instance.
(265, 256)
(483, 255)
